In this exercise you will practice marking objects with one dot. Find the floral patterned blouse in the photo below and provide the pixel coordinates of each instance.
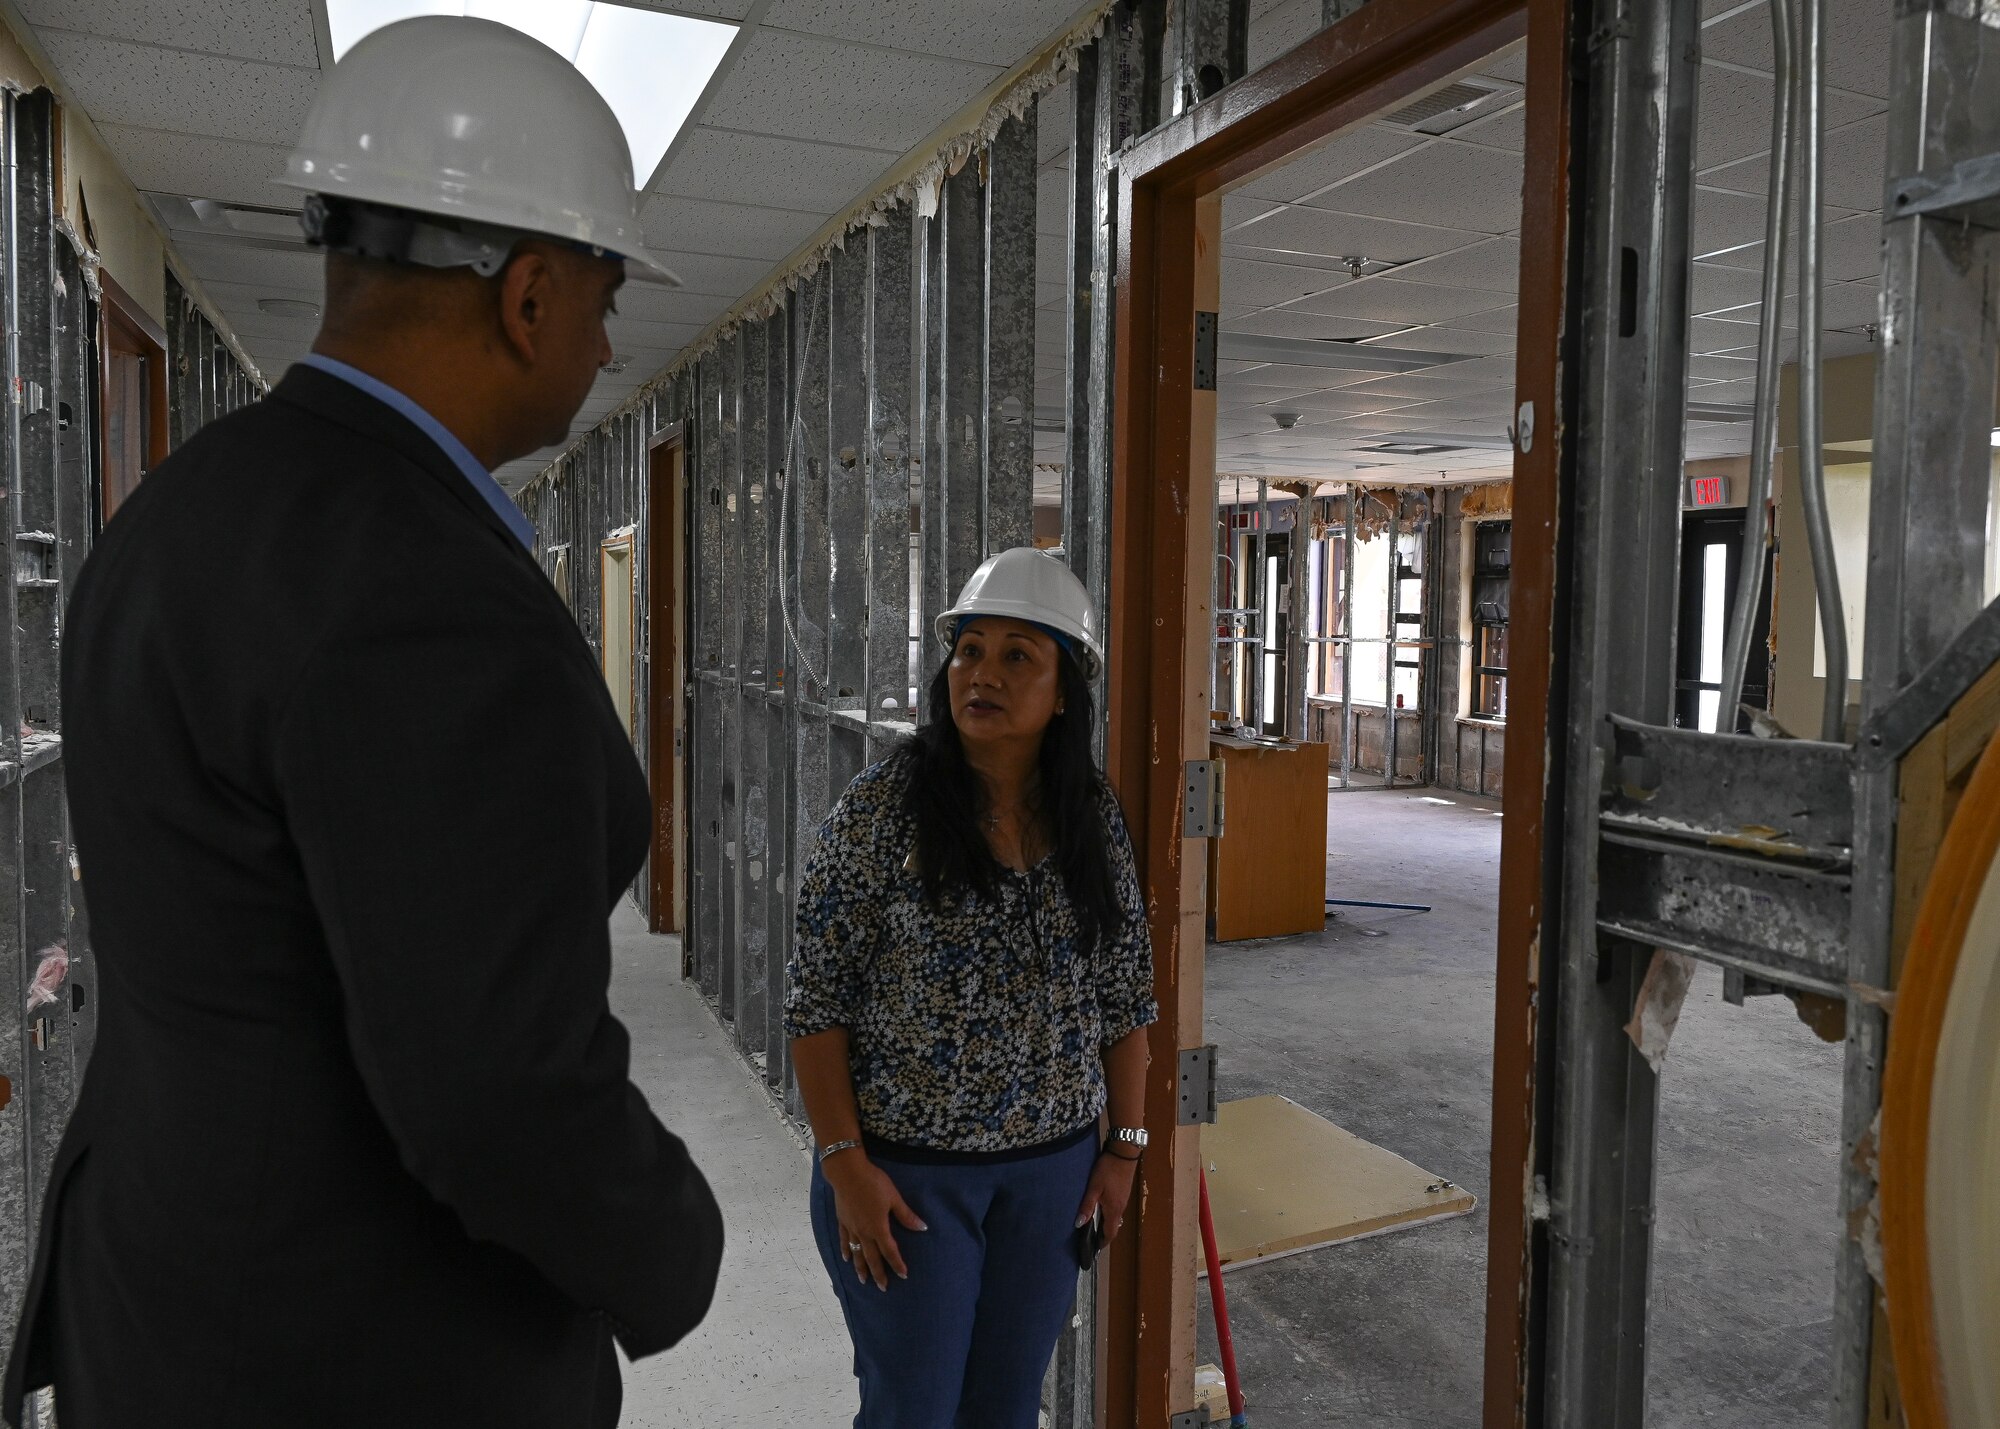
(977, 1025)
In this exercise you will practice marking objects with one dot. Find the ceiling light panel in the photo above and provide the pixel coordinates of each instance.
(650, 66)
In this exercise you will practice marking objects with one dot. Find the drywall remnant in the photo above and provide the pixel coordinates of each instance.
(1657, 1009)
(49, 974)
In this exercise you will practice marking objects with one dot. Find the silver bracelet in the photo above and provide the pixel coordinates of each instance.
(826, 1151)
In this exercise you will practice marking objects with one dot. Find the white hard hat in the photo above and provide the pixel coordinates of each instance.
(1027, 584)
(474, 123)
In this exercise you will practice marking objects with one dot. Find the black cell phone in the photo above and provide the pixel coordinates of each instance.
(1089, 1241)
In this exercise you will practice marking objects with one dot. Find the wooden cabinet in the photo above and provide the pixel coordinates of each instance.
(1267, 873)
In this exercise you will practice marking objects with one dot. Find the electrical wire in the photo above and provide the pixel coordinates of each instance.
(795, 454)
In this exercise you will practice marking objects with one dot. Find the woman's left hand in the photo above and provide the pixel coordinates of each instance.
(1109, 1191)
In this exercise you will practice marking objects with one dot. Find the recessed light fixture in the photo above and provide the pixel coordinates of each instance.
(288, 307)
(650, 66)
(1285, 420)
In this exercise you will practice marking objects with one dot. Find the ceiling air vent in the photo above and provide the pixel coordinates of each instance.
(1456, 105)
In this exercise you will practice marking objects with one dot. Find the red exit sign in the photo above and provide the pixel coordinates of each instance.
(1707, 490)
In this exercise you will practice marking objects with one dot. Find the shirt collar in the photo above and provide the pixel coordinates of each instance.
(481, 479)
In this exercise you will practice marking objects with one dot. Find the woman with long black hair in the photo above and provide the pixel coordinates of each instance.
(969, 990)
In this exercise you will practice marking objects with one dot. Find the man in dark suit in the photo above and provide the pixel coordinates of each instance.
(357, 1146)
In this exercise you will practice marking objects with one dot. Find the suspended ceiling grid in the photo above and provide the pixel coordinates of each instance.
(1438, 220)
(198, 99)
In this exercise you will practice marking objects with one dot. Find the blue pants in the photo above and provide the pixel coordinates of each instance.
(964, 1343)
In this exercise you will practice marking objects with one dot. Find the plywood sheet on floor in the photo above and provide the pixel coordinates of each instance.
(1282, 1179)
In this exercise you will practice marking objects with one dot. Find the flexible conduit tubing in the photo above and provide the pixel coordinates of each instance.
(1218, 1298)
(1764, 424)
(1812, 452)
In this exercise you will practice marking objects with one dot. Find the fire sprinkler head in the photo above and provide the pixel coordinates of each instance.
(1285, 420)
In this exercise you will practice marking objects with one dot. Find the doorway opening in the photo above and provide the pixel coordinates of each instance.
(665, 611)
(132, 395)
(1368, 321)
(1300, 322)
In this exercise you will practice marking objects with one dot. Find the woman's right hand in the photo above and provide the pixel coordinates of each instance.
(867, 1205)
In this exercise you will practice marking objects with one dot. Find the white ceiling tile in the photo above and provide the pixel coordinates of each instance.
(1422, 386)
(796, 85)
(626, 334)
(242, 297)
(651, 303)
(253, 324)
(1715, 288)
(698, 226)
(1287, 322)
(1253, 386)
(1511, 65)
(1734, 115)
(1250, 284)
(763, 168)
(714, 274)
(1239, 209)
(1447, 338)
(998, 35)
(1725, 221)
(248, 29)
(226, 170)
(1852, 245)
(268, 267)
(1857, 45)
(1499, 320)
(1317, 237)
(1508, 130)
(1446, 185)
(1494, 265)
(150, 88)
(1345, 401)
(1398, 303)
(1854, 167)
(1337, 159)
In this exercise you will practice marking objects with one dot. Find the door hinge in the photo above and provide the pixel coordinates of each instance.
(1204, 352)
(1201, 810)
(1197, 1086)
(1189, 1419)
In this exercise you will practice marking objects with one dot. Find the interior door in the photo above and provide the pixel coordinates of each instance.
(665, 613)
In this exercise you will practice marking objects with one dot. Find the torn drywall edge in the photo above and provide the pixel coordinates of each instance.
(1657, 1009)
(1015, 93)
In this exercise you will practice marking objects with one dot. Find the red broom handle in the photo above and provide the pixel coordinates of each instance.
(1219, 1298)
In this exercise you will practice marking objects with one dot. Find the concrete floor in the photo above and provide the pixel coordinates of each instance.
(773, 1353)
(1383, 1023)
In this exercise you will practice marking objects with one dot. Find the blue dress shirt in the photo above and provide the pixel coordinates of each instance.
(482, 480)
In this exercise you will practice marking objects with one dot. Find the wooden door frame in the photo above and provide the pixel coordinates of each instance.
(667, 759)
(1382, 55)
(119, 315)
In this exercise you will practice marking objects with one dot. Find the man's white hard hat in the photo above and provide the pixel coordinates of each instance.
(1027, 584)
(473, 123)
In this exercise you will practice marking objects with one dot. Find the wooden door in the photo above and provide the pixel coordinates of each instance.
(667, 709)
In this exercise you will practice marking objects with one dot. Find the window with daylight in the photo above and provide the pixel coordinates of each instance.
(650, 66)
(1492, 564)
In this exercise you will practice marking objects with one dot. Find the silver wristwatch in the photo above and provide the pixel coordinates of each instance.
(1132, 1136)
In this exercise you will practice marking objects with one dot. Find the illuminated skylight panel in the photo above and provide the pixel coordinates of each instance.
(649, 66)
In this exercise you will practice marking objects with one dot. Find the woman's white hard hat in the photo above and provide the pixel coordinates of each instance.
(1032, 585)
(473, 122)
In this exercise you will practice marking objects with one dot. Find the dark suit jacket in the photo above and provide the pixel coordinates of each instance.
(357, 1145)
